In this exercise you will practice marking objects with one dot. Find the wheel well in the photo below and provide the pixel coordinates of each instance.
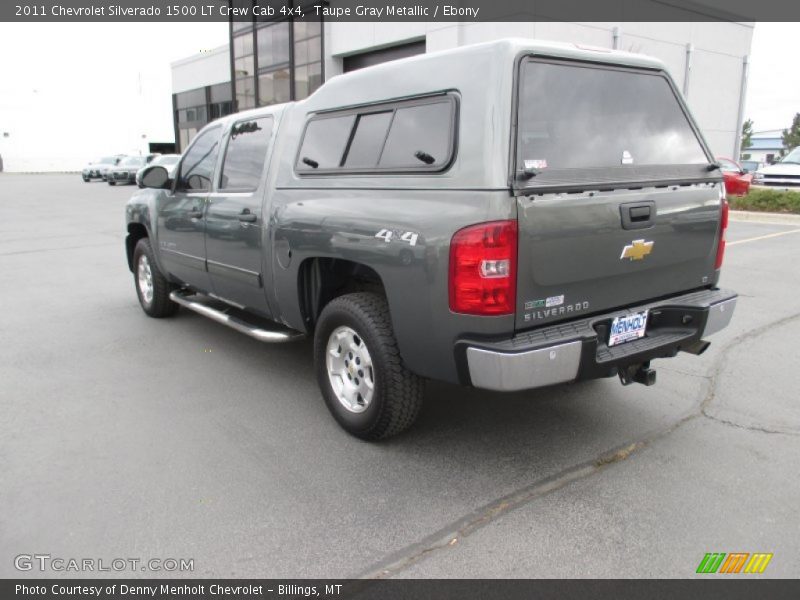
(321, 280)
(136, 231)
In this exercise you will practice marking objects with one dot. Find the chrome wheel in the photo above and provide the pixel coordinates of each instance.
(350, 369)
(145, 279)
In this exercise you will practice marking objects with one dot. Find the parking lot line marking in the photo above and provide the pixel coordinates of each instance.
(763, 237)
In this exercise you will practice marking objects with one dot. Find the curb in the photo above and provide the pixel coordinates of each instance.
(764, 217)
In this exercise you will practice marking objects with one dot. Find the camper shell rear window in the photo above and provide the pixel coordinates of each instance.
(601, 120)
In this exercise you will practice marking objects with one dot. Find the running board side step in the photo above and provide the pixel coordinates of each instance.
(220, 316)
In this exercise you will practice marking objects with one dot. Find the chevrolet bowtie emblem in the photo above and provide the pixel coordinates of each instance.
(636, 250)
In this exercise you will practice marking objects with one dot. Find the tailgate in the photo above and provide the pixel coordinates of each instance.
(593, 251)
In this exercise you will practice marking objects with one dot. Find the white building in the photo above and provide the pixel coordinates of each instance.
(708, 60)
(765, 146)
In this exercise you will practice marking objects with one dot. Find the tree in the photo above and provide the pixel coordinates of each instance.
(791, 136)
(747, 134)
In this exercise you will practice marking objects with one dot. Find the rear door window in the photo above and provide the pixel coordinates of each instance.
(576, 116)
(246, 154)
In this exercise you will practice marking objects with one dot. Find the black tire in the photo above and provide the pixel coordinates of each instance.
(397, 394)
(110, 182)
(160, 305)
(86, 180)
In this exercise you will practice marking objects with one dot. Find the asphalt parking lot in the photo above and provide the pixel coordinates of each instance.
(124, 436)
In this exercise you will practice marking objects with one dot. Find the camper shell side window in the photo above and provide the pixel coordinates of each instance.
(408, 136)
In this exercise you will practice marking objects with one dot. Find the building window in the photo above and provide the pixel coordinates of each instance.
(307, 58)
(274, 87)
(275, 61)
(195, 108)
(272, 41)
(244, 68)
(274, 84)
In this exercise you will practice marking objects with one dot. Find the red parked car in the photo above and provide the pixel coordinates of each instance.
(737, 179)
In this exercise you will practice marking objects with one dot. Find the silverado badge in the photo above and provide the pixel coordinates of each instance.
(636, 250)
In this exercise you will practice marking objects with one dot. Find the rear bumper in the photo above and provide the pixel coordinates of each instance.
(578, 350)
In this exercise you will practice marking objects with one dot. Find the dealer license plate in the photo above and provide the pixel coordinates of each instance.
(627, 328)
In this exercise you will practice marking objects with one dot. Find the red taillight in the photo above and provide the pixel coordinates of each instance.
(483, 269)
(723, 225)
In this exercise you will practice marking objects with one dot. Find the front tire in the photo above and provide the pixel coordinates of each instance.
(110, 182)
(152, 287)
(363, 380)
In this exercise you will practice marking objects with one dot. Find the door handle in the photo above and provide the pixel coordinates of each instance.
(247, 217)
(195, 214)
(638, 215)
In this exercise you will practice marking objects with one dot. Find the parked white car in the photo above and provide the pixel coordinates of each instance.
(783, 174)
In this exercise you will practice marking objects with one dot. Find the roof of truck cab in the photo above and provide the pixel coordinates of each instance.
(390, 79)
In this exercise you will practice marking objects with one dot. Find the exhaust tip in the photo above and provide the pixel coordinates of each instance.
(697, 348)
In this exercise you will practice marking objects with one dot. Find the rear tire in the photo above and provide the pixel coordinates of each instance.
(363, 380)
(152, 287)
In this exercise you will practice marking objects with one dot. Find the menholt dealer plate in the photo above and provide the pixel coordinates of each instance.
(627, 328)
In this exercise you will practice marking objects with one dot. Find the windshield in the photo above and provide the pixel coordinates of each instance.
(574, 116)
(792, 157)
(132, 161)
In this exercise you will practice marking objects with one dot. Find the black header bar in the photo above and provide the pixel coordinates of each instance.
(468, 11)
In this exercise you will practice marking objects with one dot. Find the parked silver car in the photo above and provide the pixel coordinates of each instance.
(168, 161)
(98, 168)
(125, 171)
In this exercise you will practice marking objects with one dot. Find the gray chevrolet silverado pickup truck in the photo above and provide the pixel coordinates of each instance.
(508, 215)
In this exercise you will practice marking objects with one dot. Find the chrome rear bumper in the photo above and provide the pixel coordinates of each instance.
(578, 349)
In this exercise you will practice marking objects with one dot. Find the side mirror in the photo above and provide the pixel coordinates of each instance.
(155, 176)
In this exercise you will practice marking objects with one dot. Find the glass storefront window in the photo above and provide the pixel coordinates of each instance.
(273, 45)
(307, 51)
(243, 66)
(186, 136)
(284, 65)
(307, 29)
(245, 93)
(274, 87)
(243, 44)
(307, 58)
